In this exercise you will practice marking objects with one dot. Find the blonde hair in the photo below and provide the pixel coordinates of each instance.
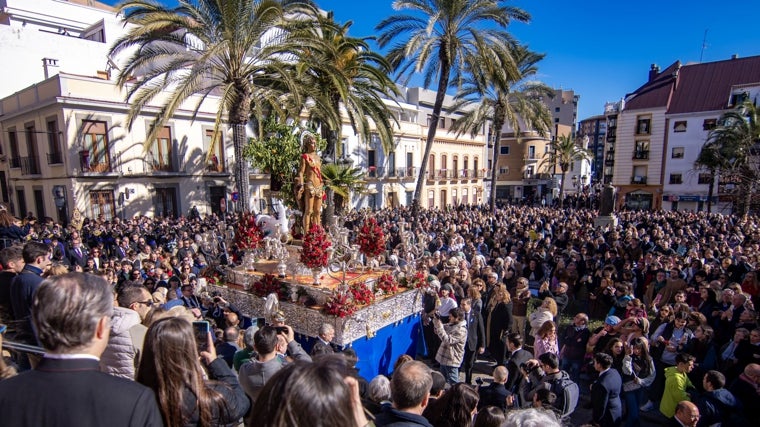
(55, 270)
(552, 305)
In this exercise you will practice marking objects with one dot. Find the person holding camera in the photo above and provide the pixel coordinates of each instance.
(544, 373)
(453, 337)
(268, 361)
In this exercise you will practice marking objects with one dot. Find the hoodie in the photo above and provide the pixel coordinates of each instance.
(676, 384)
(718, 407)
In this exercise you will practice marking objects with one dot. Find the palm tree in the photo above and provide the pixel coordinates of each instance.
(445, 38)
(343, 180)
(341, 74)
(503, 94)
(203, 48)
(563, 151)
(733, 147)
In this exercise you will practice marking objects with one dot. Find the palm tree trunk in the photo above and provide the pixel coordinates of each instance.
(710, 190)
(443, 83)
(562, 190)
(494, 157)
(242, 179)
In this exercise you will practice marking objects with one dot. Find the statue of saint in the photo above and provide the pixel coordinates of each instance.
(310, 190)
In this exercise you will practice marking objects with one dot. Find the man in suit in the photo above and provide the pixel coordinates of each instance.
(687, 415)
(72, 315)
(322, 345)
(605, 393)
(37, 259)
(517, 357)
(77, 253)
(476, 338)
(496, 394)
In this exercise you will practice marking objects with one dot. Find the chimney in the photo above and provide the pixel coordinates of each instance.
(48, 64)
(735, 56)
(654, 70)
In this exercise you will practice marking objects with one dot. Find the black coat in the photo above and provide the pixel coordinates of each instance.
(493, 395)
(513, 367)
(476, 332)
(237, 402)
(73, 392)
(605, 399)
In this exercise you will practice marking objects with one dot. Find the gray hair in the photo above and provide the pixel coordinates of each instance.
(248, 336)
(379, 389)
(67, 308)
(325, 329)
(530, 418)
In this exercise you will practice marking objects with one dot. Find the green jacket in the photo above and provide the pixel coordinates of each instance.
(676, 384)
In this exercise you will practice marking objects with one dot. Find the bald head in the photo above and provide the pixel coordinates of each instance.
(753, 371)
(687, 413)
(500, 375)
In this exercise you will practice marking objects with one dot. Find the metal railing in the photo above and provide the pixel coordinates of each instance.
(55, 158)
(30, 165)
(641, 155)
(15, 162)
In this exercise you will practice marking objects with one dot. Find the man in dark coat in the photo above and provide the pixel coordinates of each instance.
(72, 315)
(410, 392)
(476, 338)
(605, 393)
(495, 394)
(517, 357)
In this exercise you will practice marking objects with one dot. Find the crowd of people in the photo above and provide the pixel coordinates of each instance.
(656, 313)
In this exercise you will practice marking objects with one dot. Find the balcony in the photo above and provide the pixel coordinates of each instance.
(55, 158)
(638, 179)
(30, 165)
(88, 165)
(15, 162)
(641, 155)
(407, 172)
(213, 165)
(375, 172)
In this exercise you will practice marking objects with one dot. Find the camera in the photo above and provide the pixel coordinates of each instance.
(281, 329)
(217, 299)
(479, 381)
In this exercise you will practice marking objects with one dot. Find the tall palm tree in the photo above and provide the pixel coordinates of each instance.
(233, 49)
(563, 151)
(733, 147)
(712, 159)
(342, 75)
(503, 93)
(443, 39)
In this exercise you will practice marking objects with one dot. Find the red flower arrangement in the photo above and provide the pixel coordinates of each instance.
(387, 283)
(315, 245)
(371, 239)
(213, 276)
(361, 293)
(340, 304)
(270, 284)
(416, 280)
(249, 235)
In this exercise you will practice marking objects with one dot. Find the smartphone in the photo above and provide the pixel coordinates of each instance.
(281, 329)
(202, 328)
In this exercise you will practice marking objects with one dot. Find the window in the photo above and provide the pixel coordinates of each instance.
(30, 165)
(475, 165)
(455, 164)
(504, 150)
(444, 165)
(466, 165)
(431, 166)
(532, 152)
(431, 199)
(444, 199)
(529, 172)
(372, 163)
(101, 203)
(166, 202)
(161, 151)
(641, 150)
(704, 178)
(15, 160)
(409, 198)
(374, 140)
(556, 109)
(643, 125)
(21, 199)
(214, 147)
(429, 119)
(676, 178)
(679, 126)
(677, 152)
(454, 196)
(504, 170)
(465, 200)
(96, 156)
(442, 123)
(639, 175)
(556, 120)
(709, 124)
(39, 203)
(612, 122)
(54, 145)
(392, 164)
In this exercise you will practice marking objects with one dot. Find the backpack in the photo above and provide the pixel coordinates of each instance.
(567, 393)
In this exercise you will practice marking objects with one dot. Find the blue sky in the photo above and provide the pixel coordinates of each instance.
(603, 49)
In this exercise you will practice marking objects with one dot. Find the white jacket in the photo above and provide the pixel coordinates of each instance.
(122, 355)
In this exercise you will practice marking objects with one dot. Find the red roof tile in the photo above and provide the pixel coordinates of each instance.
(707, 87)
(654, 93)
